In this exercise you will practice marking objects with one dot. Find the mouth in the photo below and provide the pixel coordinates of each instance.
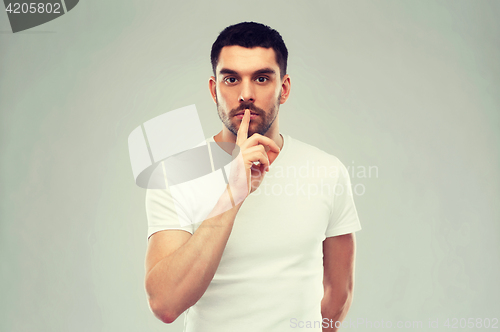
(240, 115)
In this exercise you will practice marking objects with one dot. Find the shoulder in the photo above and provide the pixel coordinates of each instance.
(307, 151)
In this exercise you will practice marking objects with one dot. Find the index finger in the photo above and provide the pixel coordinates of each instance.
(242, 134)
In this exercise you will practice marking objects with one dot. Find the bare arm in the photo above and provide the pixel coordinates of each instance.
(338, 279)
(180, 266)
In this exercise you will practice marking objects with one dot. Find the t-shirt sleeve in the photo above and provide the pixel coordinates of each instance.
(343, 216)
(162, 212)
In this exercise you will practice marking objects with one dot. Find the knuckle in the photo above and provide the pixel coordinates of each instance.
(257, 137)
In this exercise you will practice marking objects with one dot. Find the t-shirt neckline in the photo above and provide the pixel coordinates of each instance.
(287, 140)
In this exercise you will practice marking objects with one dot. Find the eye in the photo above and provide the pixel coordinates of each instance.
(262, 79)
(230, 80)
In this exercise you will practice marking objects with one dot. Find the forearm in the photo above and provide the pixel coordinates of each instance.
(338, 281)
(334, 307)
(179, 280)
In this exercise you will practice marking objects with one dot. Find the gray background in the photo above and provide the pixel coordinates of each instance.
(411, 87)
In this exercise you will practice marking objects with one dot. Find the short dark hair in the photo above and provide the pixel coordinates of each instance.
(249, 35)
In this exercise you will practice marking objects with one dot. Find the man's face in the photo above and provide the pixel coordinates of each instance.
(248, 78)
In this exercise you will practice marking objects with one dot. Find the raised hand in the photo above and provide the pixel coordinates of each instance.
(256, 153)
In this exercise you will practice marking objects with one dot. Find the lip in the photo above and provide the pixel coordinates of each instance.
(241, 114)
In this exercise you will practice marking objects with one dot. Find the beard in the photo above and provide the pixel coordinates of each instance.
(260, 125)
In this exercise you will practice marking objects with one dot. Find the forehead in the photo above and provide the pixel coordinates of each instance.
(242, 59)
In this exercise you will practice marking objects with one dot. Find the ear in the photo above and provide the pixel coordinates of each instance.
(285, 89)
(212, 83)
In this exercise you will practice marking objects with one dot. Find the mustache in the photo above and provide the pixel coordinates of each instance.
(243, 106)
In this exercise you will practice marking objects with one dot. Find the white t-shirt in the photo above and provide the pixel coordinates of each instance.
(270, 276)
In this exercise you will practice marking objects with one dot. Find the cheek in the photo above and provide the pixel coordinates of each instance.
(224, 95)
(272, 96)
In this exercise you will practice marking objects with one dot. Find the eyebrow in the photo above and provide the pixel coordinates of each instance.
(224, 71)
(265, 71)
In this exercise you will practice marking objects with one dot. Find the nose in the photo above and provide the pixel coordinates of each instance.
(247, 92)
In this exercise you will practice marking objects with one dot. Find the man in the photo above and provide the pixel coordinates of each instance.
(277, 249)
